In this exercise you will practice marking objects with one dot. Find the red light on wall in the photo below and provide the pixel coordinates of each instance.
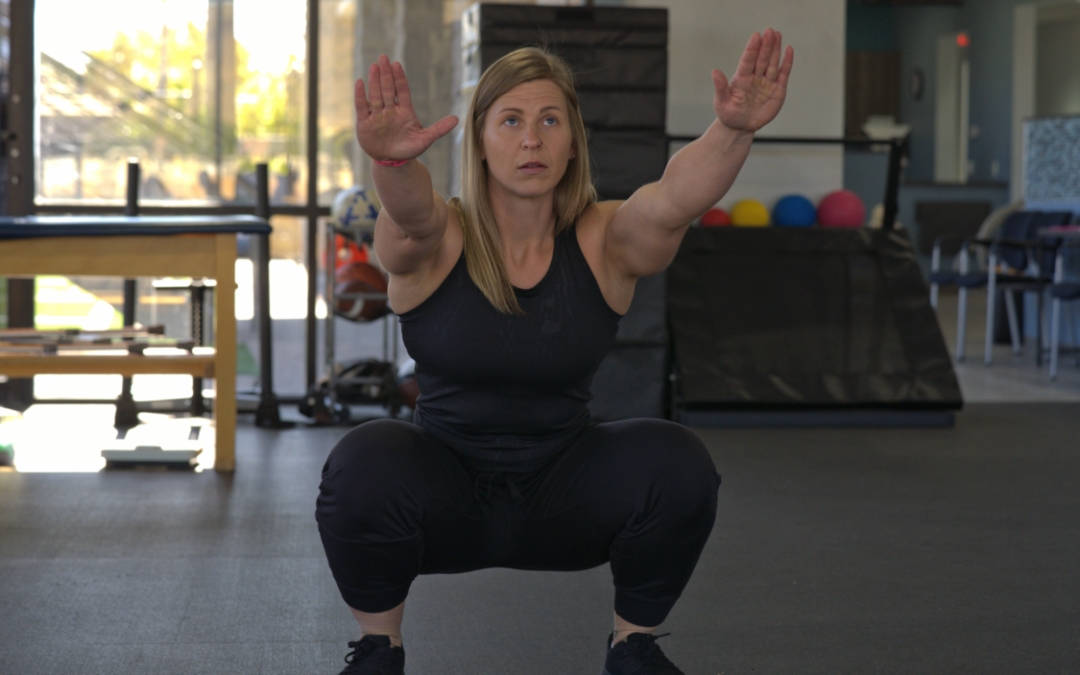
(963, 40)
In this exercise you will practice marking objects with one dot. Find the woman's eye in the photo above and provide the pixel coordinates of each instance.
(512, 121)
(551, 120)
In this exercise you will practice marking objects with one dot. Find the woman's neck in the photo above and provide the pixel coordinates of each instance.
(526, 225)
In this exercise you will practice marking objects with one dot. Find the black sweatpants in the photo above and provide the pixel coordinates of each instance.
(396, 502)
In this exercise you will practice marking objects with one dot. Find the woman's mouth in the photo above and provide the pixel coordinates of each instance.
(532, 167)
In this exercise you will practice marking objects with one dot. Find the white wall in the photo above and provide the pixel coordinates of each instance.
(707, 34)
(1057, 89)
(1032, 66)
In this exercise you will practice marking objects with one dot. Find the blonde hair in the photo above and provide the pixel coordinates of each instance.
(573, 194)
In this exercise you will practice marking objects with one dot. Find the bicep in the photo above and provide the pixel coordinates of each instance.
(402, 251)
(643, 233)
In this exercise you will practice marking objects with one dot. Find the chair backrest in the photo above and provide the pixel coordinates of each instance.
(1048, 219)
(1018, 225)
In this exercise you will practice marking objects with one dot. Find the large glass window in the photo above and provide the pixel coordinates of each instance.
(338, 150)
(197, 90)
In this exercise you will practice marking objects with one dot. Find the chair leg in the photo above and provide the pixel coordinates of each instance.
(991, 294)
(1039, 333)
(1055, 321)
(1070, 321)
(1014, 325)
(961, 323)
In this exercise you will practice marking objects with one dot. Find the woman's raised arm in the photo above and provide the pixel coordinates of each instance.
(413, 216)
(645, 231)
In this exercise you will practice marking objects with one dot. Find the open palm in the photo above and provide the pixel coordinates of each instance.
(755, 95)
(386, 122)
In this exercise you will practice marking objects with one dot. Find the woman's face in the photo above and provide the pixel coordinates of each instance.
(526, 140)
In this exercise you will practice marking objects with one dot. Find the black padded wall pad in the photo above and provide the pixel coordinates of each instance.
(601, 67)
(632, 380)
(622, 110)
(775, 318)
(623, 161)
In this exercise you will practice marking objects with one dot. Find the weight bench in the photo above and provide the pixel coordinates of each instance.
(138, 246)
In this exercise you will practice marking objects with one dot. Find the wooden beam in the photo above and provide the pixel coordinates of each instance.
(187, 255)
(197, 365)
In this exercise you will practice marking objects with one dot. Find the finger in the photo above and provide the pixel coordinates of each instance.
(785, 67)
(386, 79)
(720, 82)
(749, 57)
(774, 57)
(441, 128)
(762, 63)
(375, 92)
(401, 85)
(360, 101)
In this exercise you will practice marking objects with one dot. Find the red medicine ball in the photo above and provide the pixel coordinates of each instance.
(359, 278)
(715, 218)
(842, 208)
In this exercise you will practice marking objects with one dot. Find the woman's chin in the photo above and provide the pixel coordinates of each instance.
(529, 189)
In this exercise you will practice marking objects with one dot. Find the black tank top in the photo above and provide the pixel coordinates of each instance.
(509, 391)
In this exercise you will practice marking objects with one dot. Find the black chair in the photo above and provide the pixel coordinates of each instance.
(1061, 291)
(1026, 267)
(1017, 261)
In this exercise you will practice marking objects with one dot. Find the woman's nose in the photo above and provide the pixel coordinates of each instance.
(530, 139)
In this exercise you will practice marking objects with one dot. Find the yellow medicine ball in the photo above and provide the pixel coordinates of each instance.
(750, 213)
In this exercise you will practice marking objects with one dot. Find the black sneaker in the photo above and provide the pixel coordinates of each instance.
(638, 655)
(374, 655)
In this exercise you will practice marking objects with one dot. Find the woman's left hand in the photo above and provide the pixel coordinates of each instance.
(755, 95)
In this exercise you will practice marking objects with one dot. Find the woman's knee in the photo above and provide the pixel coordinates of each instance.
(368, 471)
(676, 462)
(372, 445)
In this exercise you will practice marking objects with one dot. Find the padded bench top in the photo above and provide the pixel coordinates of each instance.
(29, 227)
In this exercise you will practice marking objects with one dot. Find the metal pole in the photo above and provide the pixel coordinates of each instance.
(892, 185)
(267, 414)
(312, 134)
(127, 415)
(131, 208)
(328, 329)
(20, 142)
(219, 43)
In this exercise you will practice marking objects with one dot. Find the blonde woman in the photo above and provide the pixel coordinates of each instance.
(509, 299)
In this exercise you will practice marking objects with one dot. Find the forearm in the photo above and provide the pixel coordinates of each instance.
(701, 173)
(406, 194)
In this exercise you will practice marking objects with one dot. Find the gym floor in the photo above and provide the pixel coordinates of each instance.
(835, 551)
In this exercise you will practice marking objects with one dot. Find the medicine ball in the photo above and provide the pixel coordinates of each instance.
(842, 208)
(359, 278)
(750, 213)
(794, 211)
(354, 208)
(715, 218)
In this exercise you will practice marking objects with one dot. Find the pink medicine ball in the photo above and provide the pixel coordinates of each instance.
(842, 208)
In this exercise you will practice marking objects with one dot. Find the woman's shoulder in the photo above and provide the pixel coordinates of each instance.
(592, 224)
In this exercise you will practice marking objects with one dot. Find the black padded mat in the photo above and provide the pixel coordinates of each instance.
(805, 318)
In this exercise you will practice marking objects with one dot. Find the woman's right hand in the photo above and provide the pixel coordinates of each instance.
(386, 123)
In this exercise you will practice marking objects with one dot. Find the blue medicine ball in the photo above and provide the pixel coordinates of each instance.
(794, 211)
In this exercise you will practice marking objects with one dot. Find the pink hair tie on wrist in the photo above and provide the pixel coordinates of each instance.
(390, 162)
